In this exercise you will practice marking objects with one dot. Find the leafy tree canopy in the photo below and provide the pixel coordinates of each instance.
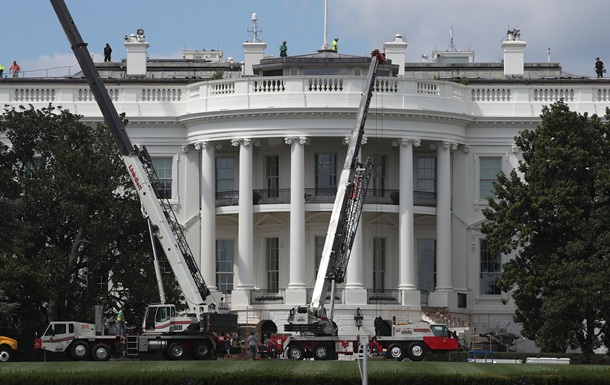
(78, 236)
(552, 214)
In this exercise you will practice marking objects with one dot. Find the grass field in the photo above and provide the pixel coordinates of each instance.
(300, 367)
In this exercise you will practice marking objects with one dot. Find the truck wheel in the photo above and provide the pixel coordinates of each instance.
(202, 350)
(79, 350)
(6, 354)
(396, 352)
(296, 353)
(175, 351)
(321, 352)
(100, 352)
(417, 351)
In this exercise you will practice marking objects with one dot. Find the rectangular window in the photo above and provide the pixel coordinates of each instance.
(273, 264)
(491, 267)
(225, 249)
(272, 174)
(225, 174)
(319, 247)
(426, 262)
(379, 253)
(379, 175)
(31, 167)
(326, 174)
(489, 169)
(163, 168)
(426, 174)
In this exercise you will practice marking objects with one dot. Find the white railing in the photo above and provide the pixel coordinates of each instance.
(313, 91)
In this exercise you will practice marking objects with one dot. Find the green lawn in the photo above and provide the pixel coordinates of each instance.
(299, 367)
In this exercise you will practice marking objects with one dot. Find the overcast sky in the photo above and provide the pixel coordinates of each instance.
(575, 31)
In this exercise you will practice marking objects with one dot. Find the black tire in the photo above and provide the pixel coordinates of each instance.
(296, 353)
(100, 352)
(321, 352)
(6, 354)
(79, 350)
(396, 352)
(175, 351)
(202, 350)
(416, 351)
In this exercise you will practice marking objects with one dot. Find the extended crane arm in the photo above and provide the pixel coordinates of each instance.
(139, 166)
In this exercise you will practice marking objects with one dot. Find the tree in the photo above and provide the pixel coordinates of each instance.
(82, 228)
(554, 218)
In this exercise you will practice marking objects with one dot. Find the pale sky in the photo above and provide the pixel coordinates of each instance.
(575, 31)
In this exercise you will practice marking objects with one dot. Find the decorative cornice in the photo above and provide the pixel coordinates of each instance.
(296, 139)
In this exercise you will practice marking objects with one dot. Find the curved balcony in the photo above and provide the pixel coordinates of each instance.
(322, 195)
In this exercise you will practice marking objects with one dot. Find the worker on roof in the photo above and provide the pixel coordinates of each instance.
(335, 45)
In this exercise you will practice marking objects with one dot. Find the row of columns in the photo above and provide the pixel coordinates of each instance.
(244, 273)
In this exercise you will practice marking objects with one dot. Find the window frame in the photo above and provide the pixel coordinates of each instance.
(477, 193)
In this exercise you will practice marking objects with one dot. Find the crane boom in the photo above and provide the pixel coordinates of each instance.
(344, 219)
(155, 206)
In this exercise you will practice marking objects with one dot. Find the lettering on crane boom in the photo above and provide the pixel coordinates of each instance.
(136, 180)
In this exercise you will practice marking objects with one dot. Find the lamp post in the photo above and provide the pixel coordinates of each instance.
(358, 317)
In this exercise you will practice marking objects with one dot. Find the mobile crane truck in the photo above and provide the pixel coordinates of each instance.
(317, 332)
(175, 334)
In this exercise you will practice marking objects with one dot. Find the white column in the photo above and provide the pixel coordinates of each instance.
(245, 243)
(355, 291)
(296, 291)
(406, 244)
(208, 213)
(443, 217)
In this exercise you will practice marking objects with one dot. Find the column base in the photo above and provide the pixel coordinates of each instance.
(296, 296)
(240, 297)
(356, 296)
(411, 298)
(442, 298)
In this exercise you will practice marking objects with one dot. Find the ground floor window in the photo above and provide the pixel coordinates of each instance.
(426, 262)
(225, 251)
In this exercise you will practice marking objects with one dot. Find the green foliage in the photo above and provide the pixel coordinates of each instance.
(218, 75)
(79, 220)
(552, 214)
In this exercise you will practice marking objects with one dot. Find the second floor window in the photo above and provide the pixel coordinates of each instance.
(426, 264)
(163, 168)
(426, 174)
(489, 169)
(379, 175)
(326, 174)
(31, 167)
(272, 173)
(225, 174)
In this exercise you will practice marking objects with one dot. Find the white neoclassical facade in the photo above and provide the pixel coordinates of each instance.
(250, 163)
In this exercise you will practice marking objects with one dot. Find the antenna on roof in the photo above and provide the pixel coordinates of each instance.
(255, 31)
(325, 46)
(451, 45)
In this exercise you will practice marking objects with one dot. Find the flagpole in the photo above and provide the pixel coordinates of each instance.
(325, 45)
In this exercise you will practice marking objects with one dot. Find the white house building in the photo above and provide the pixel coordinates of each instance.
(250, 163)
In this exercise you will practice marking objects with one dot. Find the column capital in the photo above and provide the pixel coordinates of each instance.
(445, 145)
(347, 138)
(202, 145)
(515, 149)
(406, 142)
(466, 148)
(186, 148)
(296, 139)
(241, 141)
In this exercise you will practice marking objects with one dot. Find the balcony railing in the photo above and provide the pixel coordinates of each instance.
(322, 195)
(383, 296)
(260, 297)
(338, 296)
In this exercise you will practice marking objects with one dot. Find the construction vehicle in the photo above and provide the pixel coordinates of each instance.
(165, 329)
(8, 348)
(317, 332)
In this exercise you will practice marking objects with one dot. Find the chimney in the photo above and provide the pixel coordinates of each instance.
(395, 52)
(253, 50)
(136, 48)
(514, 53)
